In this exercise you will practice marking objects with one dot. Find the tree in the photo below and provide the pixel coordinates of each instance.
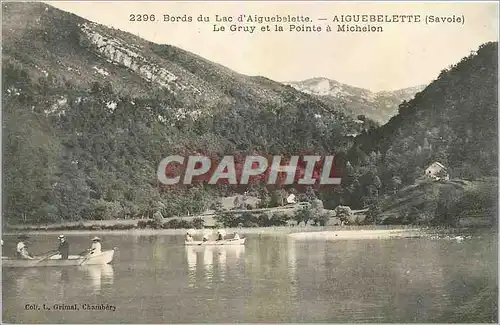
(377, 183)
(344, 213)
(317, 207)
(198, 223)
(277, 198)
(395, 183)
(95, 88)
(217, 206)
(318, 213)
(303, 215)
(446, 213)
(373, 212)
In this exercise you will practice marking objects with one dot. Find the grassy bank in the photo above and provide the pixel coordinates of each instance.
(414, 231)
(116, 224)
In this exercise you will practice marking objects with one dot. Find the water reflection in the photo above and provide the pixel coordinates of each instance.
(237, 251)
(159, 250)
(208, 261)
(191, 257)
(64, 275)
(221, 263)
(99, 275)
(292, 267)
(221, 256)
(25, 279)
(60, 281)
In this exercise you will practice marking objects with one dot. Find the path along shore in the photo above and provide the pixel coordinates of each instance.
(295, 233)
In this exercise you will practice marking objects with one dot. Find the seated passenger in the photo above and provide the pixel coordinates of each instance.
(22, 248)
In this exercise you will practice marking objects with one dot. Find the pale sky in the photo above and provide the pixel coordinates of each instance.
(403, 55)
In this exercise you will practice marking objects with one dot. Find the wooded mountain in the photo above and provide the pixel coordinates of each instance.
(454, 121)
(379, 106)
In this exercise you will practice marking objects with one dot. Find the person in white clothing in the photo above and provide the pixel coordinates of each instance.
(22, 249)
(236, 236)
(95, 248)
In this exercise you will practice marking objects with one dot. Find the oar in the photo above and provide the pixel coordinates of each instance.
(48, 255)
(85, 251)
(86, 258)
(83, 261)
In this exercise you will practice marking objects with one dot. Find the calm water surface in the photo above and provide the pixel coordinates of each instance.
(155, 279)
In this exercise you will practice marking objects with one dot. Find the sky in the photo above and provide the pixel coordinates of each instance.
(403, 55)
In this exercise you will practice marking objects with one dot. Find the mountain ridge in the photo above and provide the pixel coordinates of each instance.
(379, 106)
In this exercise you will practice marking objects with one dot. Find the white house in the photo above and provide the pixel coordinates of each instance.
(437, 171)
(290, 199)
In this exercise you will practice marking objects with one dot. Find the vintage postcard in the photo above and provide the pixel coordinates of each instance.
(249, 162)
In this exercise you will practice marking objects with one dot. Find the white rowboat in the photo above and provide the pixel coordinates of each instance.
(105, 257)
(225, 242)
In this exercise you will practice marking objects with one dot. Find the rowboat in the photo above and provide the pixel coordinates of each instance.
(226, 242)
(105, 257)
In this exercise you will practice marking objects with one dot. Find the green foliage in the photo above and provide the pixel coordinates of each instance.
(227, 219)
(344, 213)
(216, 206)
(303, 215)
(279, 219)
(198, 223)
(277, 198)
(373, 214)
(321, 220)
(177, 224)
(248, 219)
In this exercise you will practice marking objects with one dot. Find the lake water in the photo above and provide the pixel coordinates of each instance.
(155, 279)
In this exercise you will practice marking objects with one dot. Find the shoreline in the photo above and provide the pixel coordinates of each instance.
(295, 232)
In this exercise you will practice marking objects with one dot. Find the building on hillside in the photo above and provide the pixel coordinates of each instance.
(291, 199)
(437, 171)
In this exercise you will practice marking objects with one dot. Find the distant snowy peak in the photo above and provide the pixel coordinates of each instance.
(379, 106)
(327, 87)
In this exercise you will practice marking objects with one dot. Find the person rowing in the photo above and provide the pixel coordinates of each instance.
(236, 236)
(219, 236)
(95, 248)
(22, 248)
(189, 237)
(63, 247)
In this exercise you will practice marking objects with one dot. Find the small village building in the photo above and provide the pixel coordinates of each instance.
(291, 199)
(437, 171)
